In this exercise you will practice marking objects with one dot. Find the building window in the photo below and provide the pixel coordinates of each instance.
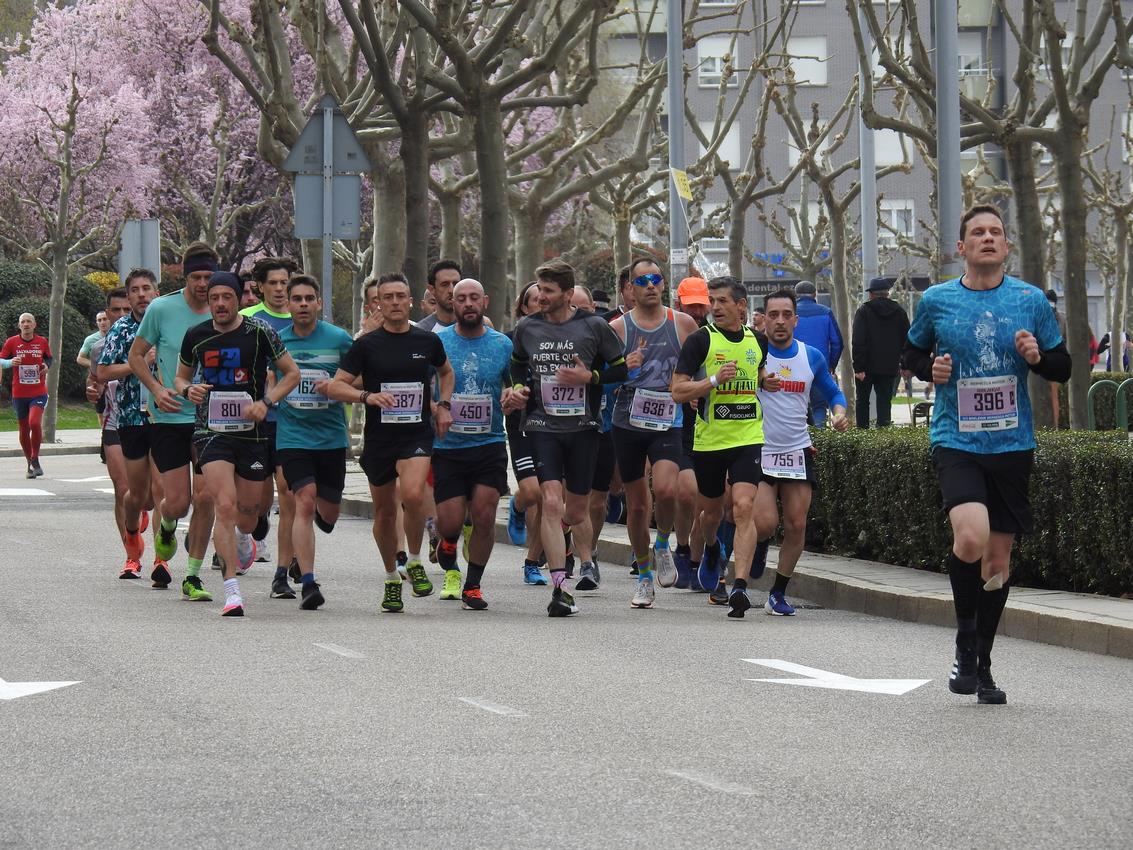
(808, 59)
(895, 219)
(730, 149)
(713, 244)
(888, 148)
(712, 54)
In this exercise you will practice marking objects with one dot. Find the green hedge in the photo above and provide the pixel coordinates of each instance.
(1104, 400)
(72, 378)
(878, 499)
(21, 280)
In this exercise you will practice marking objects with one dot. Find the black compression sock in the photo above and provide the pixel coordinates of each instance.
(324, 526)
(966, 587)
(780, 585)
(988, 613)
(739, 584)
(474, 576)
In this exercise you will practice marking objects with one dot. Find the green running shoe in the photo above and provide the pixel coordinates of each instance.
(165, 543)
(192, 590)
(451, 590)
(392, 600)
(421, 584)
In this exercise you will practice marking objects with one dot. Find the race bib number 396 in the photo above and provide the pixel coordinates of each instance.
(988, 404)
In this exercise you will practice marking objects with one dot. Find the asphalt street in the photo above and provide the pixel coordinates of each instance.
(441, 727)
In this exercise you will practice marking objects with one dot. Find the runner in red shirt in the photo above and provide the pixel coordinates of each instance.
(28, 356)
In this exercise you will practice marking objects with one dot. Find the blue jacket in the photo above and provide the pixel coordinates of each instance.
(817, 327)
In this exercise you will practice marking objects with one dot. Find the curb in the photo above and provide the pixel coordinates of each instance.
(1074, 630)
(52, 451)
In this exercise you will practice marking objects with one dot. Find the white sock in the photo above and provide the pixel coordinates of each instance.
(415, 557)
(231, 587)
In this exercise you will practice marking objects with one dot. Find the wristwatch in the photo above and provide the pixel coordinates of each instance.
(447, 405)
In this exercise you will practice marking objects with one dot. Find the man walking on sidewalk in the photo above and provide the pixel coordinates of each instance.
(880, 328)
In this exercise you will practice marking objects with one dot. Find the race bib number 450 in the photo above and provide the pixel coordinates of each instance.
(987, 404)
(471, 413)
(562, 399)
(408, 400)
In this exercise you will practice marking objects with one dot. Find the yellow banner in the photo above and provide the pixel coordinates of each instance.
(680, 179)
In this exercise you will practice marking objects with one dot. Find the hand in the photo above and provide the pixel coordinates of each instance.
(726, 372)
(771, 382)
(860, 376)
(636, 357)
(1028, 347)
(512, 400)
(384, 400)
(372, 322)
(942, 369)
(17, 360)
(322, 387)
(257, 411)
(577, 375)
(839, 422)
(168, 402)
(442, 419)
(94, 390)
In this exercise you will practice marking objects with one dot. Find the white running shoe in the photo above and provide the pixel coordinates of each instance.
(245, 552)
(665, 566)
(644, 596)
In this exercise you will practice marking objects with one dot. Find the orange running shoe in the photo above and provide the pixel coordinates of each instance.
(133, 569)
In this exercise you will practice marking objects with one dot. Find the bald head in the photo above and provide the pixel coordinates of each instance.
(469, 303)
(467, 283)
(27, 324)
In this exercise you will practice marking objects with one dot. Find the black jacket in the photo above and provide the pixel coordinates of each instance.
(880, 328)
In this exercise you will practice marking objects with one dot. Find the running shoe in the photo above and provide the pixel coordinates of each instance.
(294, 572)
(466, 533)
(420, 581)
(31, 471)
(312, 597)
(391, 601)
(245, 552)
(684, 570)
(434, 538)
(192, 590)
(516, 525)
(643, 597)
(708, 574)
(263, 551)
(665, 565)
(777, 605)
(216, 563)
(280, 589)
(719, 596)
(738, 603)
(615, 505)
(165, 543)
(402, 562)
(987, 692)
(133, 569)
(143, 522)
(633, 565)
(473, 600)
(964, 679)
(135, 545)
(532, 574)
(589, 577)
(694, 582)
(160, 575)
(233, 606)
(37, 468)
(562, 604)
(451, 589)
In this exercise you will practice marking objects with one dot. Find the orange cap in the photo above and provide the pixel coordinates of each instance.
(693, 290)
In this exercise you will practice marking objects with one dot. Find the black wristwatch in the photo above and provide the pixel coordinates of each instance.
(447, 405)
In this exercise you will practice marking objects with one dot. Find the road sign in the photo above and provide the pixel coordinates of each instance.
(326, 161)
(140, 248)
(816, 678)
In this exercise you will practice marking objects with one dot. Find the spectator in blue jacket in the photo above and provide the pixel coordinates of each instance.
(818, 328)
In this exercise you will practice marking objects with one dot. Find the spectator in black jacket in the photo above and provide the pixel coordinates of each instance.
(880, 328)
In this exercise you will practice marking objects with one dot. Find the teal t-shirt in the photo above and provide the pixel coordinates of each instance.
(164, 325)
(304, 423)
(482, 368)
(278, 322)
(89, 342)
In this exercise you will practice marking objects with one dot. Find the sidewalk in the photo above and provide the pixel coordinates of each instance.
(80, 441)
(1082, 621)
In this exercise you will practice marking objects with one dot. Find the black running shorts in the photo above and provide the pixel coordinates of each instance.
(456, 472)
(172, 445)
(135, 441)
(325, 468)
(568, 456)
(809, 461)
(379, 458)
(999, 481)
(522, 459)
(739, 465)
(633, 446)
(605, 462)
(249, 457)
(110, 437)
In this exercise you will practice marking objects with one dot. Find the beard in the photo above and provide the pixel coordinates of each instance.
(470, 322)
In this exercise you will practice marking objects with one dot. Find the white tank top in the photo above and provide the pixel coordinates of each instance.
(784, 412)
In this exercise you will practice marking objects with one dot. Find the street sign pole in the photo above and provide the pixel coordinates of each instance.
(328, 208)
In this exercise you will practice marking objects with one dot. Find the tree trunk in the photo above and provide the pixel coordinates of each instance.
(415, 165)
(1032, 259)
(450, 225)
(530, 230)
(736, 225)
(389, 222)
(623, 221)
(488, 136)
(55, 338)
(841, 296)
(1068, 159)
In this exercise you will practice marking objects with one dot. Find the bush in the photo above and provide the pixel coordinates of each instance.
(878, 499)
(1104, 401)
(23, 280)
(72, 377)
(86, 298)
(105, 281)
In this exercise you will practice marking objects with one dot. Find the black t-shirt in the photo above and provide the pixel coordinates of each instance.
(235, 361)
(403, 360)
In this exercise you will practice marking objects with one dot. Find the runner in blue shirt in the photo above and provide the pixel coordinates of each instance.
(311, 439)
(977, 338)
(470, 460)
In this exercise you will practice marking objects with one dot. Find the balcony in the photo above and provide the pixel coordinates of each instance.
(974, 83)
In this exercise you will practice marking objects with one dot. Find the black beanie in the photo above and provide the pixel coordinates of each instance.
(227, 279)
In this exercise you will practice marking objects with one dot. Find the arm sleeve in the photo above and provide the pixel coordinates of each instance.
(610, 346)
(519, 359)
(764, 345)
(5, 364)
(1054, 365)
(48, 359)
(614, 373)
(823, 380)
(693, 353)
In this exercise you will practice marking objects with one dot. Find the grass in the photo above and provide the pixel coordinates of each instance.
(71, 415)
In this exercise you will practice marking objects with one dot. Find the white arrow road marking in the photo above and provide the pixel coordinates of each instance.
(83, 480)
(104, 490)
(15, 690)
(816, 678)
(493, 707)
(340, 650)
(713, 784)
(23, 491)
